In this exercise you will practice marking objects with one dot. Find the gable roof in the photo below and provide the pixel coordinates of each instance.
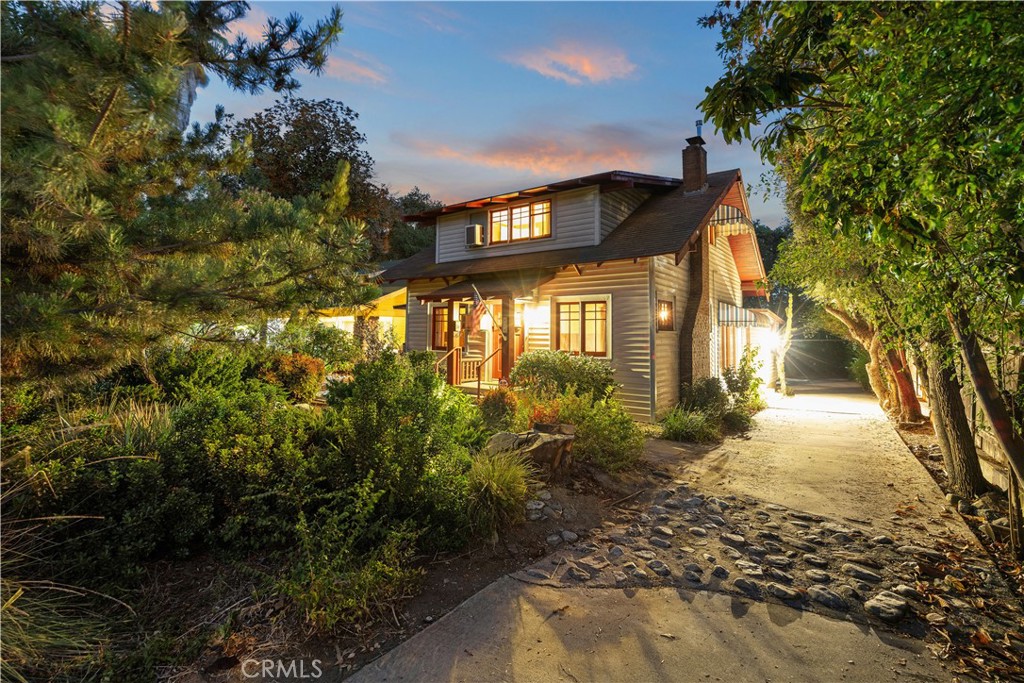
(663, 224)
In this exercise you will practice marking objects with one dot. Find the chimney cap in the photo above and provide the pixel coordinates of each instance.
(695, 140)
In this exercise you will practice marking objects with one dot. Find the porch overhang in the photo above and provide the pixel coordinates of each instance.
(734, 316)
(497, 286)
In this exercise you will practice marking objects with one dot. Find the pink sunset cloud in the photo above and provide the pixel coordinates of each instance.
(253, 25)
(357, 67)
(577, 63)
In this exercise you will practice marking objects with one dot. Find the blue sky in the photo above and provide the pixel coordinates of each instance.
(468, 99)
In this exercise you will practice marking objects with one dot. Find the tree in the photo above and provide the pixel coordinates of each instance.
(297, 144)
(117, 228)
(408, 238)
(899, 126)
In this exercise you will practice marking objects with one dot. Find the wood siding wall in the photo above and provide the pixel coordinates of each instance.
(616, 207)
(671, 283)
(725, 286)
(628, 284)
(574, 222)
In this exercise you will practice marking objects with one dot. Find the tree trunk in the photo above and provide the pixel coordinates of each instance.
(952, 429)
(910, 407)
(867, 337)
(876, 368)
(787, 341)
(994, 407)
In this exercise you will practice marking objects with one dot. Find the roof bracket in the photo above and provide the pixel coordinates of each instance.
(578, 268)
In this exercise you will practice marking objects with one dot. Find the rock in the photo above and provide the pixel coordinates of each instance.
(837, 528)
(693, 577)
(659, 542)
(801, 545)
(717, 520)
(659, 568)
(749, 568)
(554, 539)
(553, 452)
(815, 560)
(814, 539)
(576, 573)
(535, 515)
(887, 606)
(713, 508)
(778, 560)
(747, 586)
(663, 531)
(658, 510)
(693, 567)
(644, 518)
(734, 540)
(697, 531)
(882, 540)
(694, 502)
(905, 591)
(773, 547)
(674, 504)
(862, 573)
(544, 495)
(720, 571)
(768, 535)
(569, 536)
(826, 597)
(849, 593)
(732, 553)
(774, 508)
(773, 525)
(799, 524)
(936, 619)
(840, 539)
(537, 573)
(778, 575)
(644, 554)
(918, 550)
(616, 551)
(594, 563)
(952, 498)
(782, 592)
(965, 508)
(710, 558)
(534, 505)
(807, 517)
(818, 576)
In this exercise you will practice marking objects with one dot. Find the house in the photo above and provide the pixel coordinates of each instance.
(646, 272)
(386, 312)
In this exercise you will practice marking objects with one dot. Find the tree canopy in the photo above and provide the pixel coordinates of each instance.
(118, 229)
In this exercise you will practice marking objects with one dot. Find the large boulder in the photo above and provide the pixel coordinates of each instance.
(552, 453)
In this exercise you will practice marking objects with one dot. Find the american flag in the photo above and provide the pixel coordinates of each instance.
(475, 315)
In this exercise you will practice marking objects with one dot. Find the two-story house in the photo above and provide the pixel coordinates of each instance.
(646, 272)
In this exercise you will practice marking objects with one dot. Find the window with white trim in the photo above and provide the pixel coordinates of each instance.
(582, 327)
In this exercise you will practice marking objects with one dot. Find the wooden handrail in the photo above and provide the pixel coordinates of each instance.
(437, 365)
(479, 367)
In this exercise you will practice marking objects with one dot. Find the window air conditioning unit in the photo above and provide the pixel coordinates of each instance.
(475, 235)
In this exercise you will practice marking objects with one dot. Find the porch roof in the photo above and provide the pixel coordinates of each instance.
(500, 285)
(664, 224)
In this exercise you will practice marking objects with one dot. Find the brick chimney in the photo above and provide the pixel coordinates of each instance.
(695, 165)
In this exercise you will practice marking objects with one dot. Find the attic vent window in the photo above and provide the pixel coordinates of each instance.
(522, 222)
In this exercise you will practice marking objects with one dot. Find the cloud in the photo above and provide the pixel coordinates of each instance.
(576, 63)
(357, 67)
(439, 18)
(555, 153)
(253, 25)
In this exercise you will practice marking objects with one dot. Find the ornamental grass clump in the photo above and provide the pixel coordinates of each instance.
(695, 426)
(498, 486)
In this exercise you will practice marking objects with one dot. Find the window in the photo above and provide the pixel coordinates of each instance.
(582, 327)
(523, 222)
(666, 323)
(439, 328)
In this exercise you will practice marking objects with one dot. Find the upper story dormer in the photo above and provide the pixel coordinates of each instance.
(579, 212)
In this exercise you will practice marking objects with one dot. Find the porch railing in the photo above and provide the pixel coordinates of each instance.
(479, 372)
(442, 359)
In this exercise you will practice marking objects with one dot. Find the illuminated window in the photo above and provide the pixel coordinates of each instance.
(499, 226)
(666, 323)
(582, 327)
(439, 328)
(524, 222)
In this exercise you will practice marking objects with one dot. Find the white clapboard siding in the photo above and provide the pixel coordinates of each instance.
(616, 207)
(671, 283)
(574, 224)
(628, 285)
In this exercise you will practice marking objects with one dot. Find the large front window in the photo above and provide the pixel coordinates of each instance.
(523, 222)
(582, 327)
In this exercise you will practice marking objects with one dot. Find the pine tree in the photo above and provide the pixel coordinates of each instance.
(117, 228)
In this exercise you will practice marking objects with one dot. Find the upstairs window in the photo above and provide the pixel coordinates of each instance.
(522, 222)
(582, 327)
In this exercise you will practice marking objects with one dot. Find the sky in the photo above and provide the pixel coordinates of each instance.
(471, 99)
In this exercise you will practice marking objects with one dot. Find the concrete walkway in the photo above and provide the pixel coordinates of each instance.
(827, 452)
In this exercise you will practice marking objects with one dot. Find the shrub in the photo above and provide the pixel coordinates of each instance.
(338, 349)
(743, 382)
(705, 395)
(300, 375)
(545, 371)
(546, 412)
(498, 485)
(690, 425)
(606, 434)
(498, 407)
(737, 419)
(182, 370)
(858, 368)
